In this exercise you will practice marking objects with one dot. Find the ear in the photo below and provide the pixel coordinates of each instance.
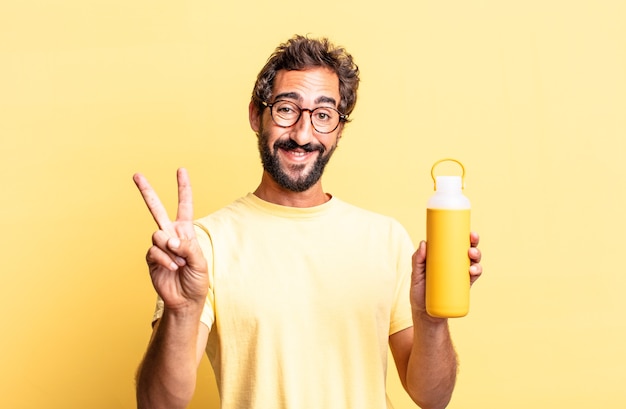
(254, 116)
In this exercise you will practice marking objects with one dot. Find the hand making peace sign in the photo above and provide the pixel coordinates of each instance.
(176, 263)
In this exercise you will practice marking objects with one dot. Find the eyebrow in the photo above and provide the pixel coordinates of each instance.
(297, 97)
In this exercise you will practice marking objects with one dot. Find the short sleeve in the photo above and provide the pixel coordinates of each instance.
(401, 316)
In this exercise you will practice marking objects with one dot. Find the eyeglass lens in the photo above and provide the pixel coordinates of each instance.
(287, 113)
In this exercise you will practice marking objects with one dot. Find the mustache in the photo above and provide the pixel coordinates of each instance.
(290, 144)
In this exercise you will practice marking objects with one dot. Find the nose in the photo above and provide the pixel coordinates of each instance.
(302, 131)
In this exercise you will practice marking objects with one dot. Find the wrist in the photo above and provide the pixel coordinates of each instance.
(422, 320)
(187, 310)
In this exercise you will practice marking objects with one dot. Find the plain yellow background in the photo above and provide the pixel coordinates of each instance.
(531, 96)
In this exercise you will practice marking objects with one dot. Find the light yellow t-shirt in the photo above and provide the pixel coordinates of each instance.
(302, 302)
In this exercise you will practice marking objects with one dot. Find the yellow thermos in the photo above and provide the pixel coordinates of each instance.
(448, 242)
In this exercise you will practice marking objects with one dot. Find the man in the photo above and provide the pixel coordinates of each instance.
(294, 295)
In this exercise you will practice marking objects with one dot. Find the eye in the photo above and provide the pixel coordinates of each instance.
(284, 108)
(324, 114)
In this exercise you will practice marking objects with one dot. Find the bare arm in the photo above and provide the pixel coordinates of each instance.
(424, 354)
(167, 376)
(426, 362)
(178, 269)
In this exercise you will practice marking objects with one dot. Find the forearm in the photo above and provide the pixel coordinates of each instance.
(167, 375)
(432, 367)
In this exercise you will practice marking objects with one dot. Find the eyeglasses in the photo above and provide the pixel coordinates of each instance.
(286, 114)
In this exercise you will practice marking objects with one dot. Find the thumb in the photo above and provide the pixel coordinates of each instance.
(419, 257)
(419, 263)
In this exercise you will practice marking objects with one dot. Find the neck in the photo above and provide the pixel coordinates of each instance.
(272, 192)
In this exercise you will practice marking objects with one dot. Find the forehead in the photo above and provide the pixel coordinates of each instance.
(307, 85)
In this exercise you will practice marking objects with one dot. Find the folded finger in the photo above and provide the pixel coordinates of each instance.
(474, 239)
(475, 271)
(168, 245)
(475, 255)
(157, 257)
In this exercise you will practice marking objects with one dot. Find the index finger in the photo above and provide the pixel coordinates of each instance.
(474, 239)
(159, 214)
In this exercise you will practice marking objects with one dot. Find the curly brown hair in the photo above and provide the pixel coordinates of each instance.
(300, 53)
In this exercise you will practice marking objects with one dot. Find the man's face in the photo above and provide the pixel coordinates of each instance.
(295, 157)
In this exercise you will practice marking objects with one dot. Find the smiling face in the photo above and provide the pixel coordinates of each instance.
(294, 157)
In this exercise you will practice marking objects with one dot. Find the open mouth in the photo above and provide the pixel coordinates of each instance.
(294, 152)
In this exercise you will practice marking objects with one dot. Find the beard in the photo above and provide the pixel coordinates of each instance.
(302, 180)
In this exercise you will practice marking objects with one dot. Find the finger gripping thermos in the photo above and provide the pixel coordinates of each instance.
(447, 245)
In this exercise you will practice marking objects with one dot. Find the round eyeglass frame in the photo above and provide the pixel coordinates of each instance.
(342, 117)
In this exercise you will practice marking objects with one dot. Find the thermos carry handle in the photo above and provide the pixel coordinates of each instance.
(432, 171)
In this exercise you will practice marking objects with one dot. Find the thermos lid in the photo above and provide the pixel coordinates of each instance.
(448, 183)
